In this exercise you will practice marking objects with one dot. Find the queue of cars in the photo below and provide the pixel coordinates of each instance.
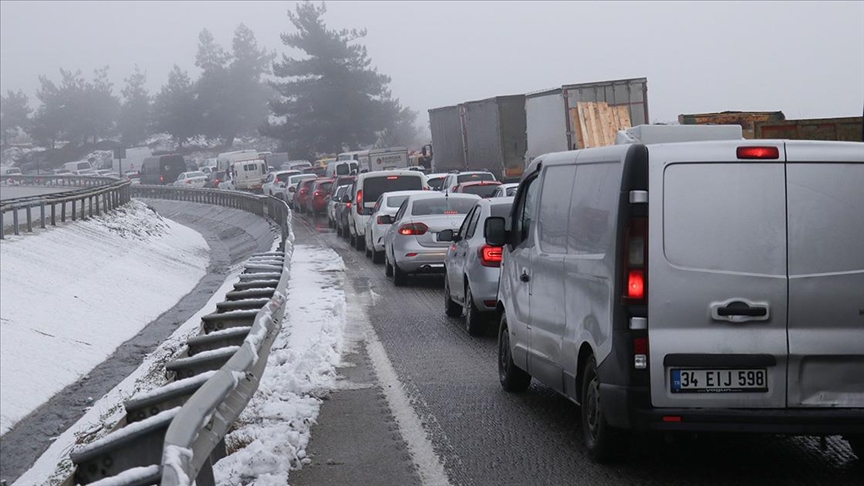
(731, 302)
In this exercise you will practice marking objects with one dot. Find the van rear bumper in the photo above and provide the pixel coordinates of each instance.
(629, 408)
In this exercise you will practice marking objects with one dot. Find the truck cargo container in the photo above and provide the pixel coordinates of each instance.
(494, 135)
(746, 119)
(583, 115)
(848, 129)
(447, 139)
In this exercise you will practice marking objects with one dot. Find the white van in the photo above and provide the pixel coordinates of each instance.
(8, 171)
(368, 187)
(226, 159)
(340, 168)
(385, 159)
(75, 167)
(699, 287)
(248, 175)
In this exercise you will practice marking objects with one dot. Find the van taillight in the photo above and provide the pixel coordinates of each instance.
(758, 153)
(635, 273)
(359, 197)
(490, 256)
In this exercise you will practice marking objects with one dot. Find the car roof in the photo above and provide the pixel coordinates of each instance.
(479, 183)
(387, 173)
(441, 195)
(404, 193)
(436, 175)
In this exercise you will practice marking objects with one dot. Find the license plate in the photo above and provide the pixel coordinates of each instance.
(719, 381)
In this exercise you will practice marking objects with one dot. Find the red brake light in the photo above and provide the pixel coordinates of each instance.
(359, 197)
(161, 178)
(454, 188)
(490, 256)
(316, 194)
(635, 260)
(415, 229)
(188, 181)
(348, 204)
(758, 153)
(392, 177)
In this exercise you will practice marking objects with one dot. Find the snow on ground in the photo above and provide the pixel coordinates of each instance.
(271, 435)
(72, 294)
(54, 464)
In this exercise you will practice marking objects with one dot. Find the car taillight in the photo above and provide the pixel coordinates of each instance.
(454, 188)
(161, 178)
(348, 204)
(188, 181)
(415, 229)
(490, 256)
(316, 194)
(635, 261)
(380, 220)
(359, 198)
(216, 182)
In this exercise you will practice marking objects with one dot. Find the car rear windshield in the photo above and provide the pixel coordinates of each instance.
(511, 191)
(500, 210)
(475, 177)
(482, 191)
(343, 169)
(395, 201)
(190, 175)
(325, 187)
(442, 205)
(282, 177)
(373, 187)
(435, 183)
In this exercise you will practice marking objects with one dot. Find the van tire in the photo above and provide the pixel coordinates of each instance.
(857, 444)
(451, 308)
(604, 443)
(400, 278)
(513, 379)
(474, 322)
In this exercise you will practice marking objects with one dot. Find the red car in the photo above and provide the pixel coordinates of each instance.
(303, 191)
(484, 189)
(316, 201)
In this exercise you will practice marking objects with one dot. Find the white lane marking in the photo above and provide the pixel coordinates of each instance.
(429, 465)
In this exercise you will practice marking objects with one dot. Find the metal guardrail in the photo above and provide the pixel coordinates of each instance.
(98, 194)
(268, 206)
(174, 434)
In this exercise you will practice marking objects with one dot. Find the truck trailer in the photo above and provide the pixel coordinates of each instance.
(848, 129)
(446, 128)
(494, 135)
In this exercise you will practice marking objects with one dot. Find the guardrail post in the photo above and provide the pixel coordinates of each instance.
(53, 214)
(29, 221)
(83, 207)
(15, 221)
(97, 197)
(90, 208)
(74, 214)
(42, 214)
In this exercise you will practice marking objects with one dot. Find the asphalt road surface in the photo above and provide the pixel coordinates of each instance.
(12, 192)
(483, 435)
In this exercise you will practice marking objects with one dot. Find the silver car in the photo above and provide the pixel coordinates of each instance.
(411, 244)
(472, 267)
(376, 226)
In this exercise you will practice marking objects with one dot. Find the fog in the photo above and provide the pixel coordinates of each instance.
(806, 59)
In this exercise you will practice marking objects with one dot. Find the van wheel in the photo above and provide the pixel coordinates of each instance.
(473, 318)
(451, 308)
(857, 443)
(400, 278)
(604, 443)
(513, 379)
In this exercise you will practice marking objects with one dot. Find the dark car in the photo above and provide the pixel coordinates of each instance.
(343, 210)
(303, 191)
(162, 169)
(319, 193)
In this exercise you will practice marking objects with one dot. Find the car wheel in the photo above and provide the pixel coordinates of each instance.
(400, 278)
(361, 243)
(473, 317)
(602, 441)
(388, 269)
(451, 308)
(377, 256)
(857, 444)
(352, 239)
(513, 379)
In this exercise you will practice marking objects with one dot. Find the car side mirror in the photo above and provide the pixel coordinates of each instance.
(291, 189)
(494, 231)
(387, 219)
(446, 235)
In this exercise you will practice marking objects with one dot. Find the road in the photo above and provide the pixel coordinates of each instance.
(12, 192)
(483, 435)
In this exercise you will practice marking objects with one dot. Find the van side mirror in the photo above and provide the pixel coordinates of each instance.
(387, 219)
(494, 231)
(446, 235)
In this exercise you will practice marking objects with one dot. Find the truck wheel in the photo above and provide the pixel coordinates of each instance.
(451, 308)
(400, 278)
(513, 379)
(473, 317)
(604, 443)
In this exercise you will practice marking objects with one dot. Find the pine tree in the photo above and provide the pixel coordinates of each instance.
(332, 98)
(175, 109)
(135, 113)
(14, 114)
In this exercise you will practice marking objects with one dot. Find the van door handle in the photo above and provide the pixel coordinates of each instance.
(524, 277)
(738, 310)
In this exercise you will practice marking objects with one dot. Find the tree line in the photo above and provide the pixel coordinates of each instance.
(327, 100)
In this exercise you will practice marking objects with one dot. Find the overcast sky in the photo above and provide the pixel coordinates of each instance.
(806, 59)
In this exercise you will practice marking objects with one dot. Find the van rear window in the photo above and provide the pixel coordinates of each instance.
(373, 187)
(442, 205)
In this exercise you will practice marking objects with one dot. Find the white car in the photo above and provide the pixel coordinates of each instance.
(291, 186)
(274, 183)
(506, 190)
(436, 180)
(453, 179)
(191, 179)
(376, 226)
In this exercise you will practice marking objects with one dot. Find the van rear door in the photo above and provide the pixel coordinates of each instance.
(716, 277)
(825, 187)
